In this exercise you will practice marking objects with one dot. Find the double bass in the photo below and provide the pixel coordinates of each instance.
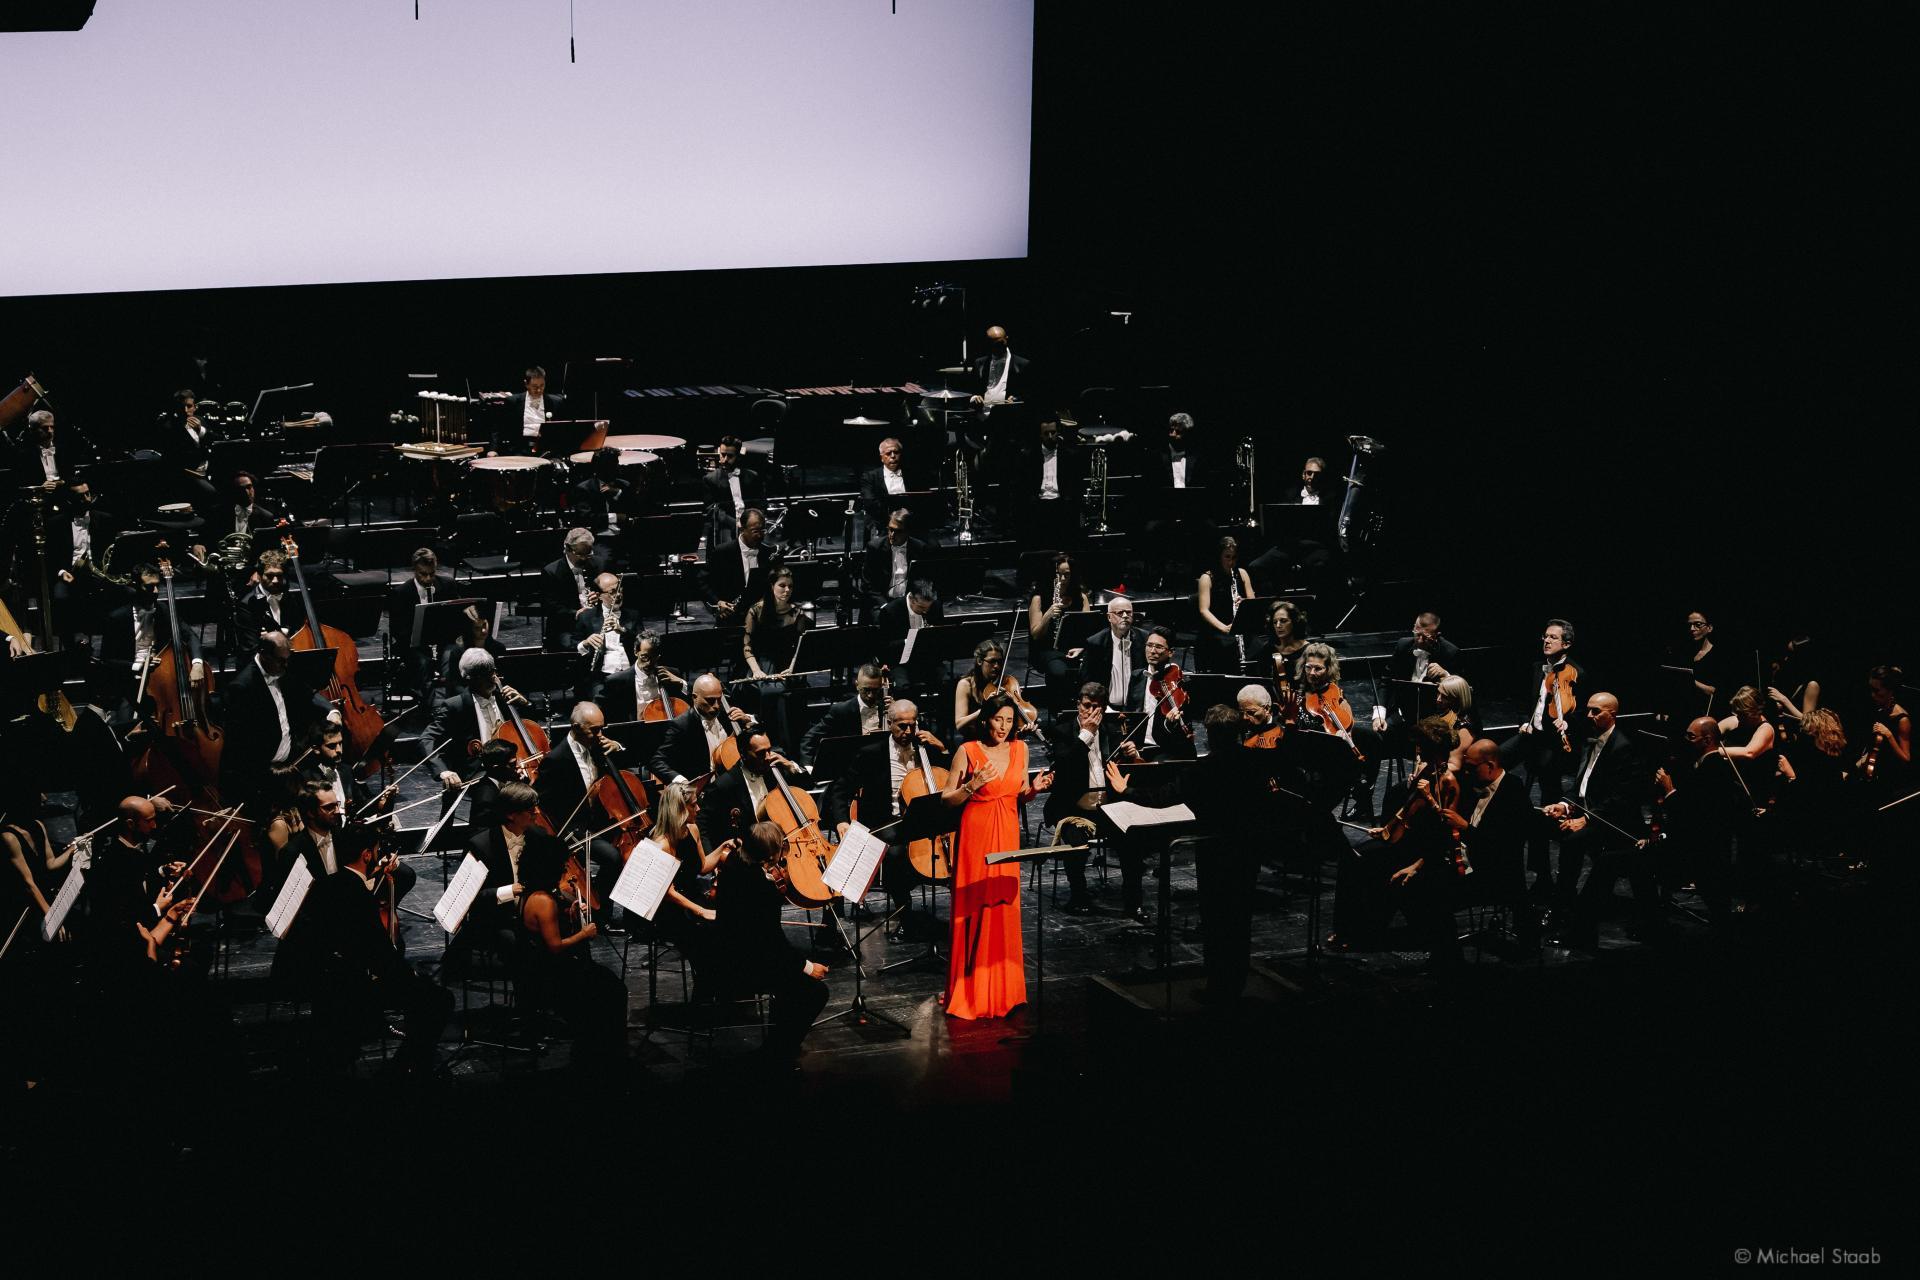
(362, 723)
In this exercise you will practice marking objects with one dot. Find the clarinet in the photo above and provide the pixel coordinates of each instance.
(1233, 600)
(1059, 619)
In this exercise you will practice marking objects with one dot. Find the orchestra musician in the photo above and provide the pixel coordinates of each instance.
(1543, 746)
(565, 780)
(1079, 749)
(1111, 656)
(1700, 805)
(354, 968)
(425, 585)
(686, 749)
(244, 512)
(1406, 865)
(1793, 680)
(1494, 821)
(187, 441)
(890, 558)
(1050, 481)
(1599, 824)
(1813, 779)
(770, 642)
(1714, 670)
(1156, 724)
(1219, 593)
(269, 606)
(567, 584)
(730, 491)
(1048, 603)
(1324, 707)
(558, 970)
(44, 456)
(983, 682)
(652, 683)
(498, 840)
(1002, 374)
(600, 492)
(863, 713)
(873, 783)
(734, 798)
(1177, 464)
(601, 633)
(883, 489)
(738, 567)
(1276, 654)
(1884, 772)
(77, 531)
(326, 763)
(526, 414)
(920, 608)
(476, 633)
(751, 952)
(470, 714)
(687, 913)
(267, 714)
(1749, 741)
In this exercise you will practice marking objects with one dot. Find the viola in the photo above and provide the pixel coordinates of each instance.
(363, 725)
(805, 849)
(1327, 709)
(1167, 687)
(1560, 697)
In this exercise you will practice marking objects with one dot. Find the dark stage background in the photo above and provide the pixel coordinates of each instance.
(1627, 292)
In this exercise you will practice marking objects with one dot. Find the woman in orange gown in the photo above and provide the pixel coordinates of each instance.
(986, 971)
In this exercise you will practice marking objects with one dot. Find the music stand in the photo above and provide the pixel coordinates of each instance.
(564, 436)
(442, 621)
(312, 668)
(832, 757)
(1037, 854)
(226, 457)
(956, 577)
(860, 1011)
(841, 648)
(697, 650)
(1413, 699)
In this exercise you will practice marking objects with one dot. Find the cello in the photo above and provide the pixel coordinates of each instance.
(623, 797)
(668, 705)
(529, 741)
(804, 848)
(363, 724)
(931, 856)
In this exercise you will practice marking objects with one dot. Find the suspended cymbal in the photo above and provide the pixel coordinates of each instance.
(1366, 444)
(945, 395)
(863, 422)
(956, 368)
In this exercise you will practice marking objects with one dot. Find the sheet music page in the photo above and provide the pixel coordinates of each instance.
(644, 880)
(292, 896)
(857, 861)
(1127, 815)
(906, 654)
(62, 903)
(468, 878)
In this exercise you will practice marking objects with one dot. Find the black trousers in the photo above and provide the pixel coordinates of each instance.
(797, 1001)
(592, 1001)
(1131, 849)
(1546, 764)
(343, 1008)
(1365, 899)
(1227, 870)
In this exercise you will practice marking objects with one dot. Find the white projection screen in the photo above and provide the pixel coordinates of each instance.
(221, 143)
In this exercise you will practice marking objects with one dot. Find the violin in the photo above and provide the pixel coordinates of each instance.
(1167, 687)
(1327, 709)
(364, 726)
(1560, 696)
(805, 849)
(1441, 796)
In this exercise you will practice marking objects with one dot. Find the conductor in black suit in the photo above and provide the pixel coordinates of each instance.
(880, 768)
(526, 412)
(686, 749)
(567, 584)
(730, 490)
(1113, 654)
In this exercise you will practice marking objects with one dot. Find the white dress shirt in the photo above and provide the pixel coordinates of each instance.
(756, 788)
(323, 847)
(48, 464)
(589, 767)
(82, 538)
(285, 748)
(1486, 798)
(1593, 758)
(717, 728)
(900, 764)
(1308, 498)
(1180, 471)
(997, 393)
(897, 580)
(1096, 765)
(1121, 672)
(515, 844)
(895, 481)
(142, 636)
(486, 709)
(749, 561)
(1049, 474)
(646, 687)
(733, 487)
(534, 418)
(870, 719)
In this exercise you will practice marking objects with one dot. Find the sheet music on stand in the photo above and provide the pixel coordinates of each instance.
(644, 880)
(857, 862)
(292, 896)
(906, 653)
(63, 903)
(464, 886)
(1127, 815)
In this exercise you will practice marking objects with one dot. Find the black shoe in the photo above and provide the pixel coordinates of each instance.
(1143, 915)
(1078, 906)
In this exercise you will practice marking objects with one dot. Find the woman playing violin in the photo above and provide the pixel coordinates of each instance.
(1406, 864)
(1276, 655)
(560, 973)
(689, 904)
(987, 680)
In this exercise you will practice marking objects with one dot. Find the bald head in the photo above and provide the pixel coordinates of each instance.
(707, 694)
(274, 651)
(996, 335)
(137, 809)
(1704, 734)
(1601, 710)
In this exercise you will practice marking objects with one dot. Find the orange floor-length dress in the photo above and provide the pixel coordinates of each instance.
(986, 968)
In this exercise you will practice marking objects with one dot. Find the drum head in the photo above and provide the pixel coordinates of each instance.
(509, 464)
